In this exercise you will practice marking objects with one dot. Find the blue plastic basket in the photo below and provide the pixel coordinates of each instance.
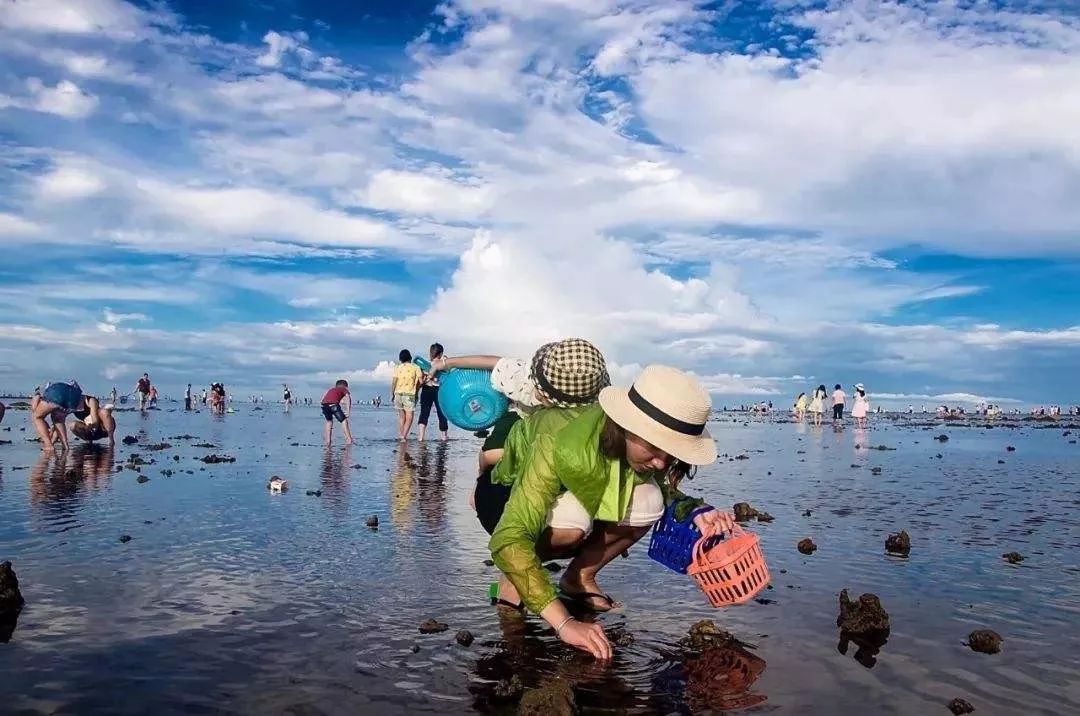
(672, 542)
(468, 400)
(422, 363)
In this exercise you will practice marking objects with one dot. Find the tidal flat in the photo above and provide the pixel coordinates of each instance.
(229, 598)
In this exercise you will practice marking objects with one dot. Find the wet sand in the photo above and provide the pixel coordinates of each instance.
(229, 598)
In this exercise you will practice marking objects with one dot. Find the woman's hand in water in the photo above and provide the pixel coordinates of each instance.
(587, 637)
(714, 521)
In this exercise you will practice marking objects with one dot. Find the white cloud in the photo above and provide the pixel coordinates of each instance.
(427, 195)
(69, 182)
(12, 226)
(946, 398)
(261, 213)
(65, 99)
(277, 45)
(575, 157)
(112, 18)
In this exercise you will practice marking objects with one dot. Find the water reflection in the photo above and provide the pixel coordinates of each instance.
(646, 676)
(57, 476)
(720, 679)
(432, 485)
(332, 477)
(867, 646)
(402, 489)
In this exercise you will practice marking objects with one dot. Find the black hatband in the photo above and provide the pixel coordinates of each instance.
(663, 418)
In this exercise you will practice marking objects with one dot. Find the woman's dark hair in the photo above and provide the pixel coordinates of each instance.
(861, 392)
(821, 388)
(837, 387)
(613, 446)
(404, 356)
(436, 350)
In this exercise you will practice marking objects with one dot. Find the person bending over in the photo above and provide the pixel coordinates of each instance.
(591, 487)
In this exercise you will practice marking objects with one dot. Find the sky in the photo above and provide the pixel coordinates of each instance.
(771, 195)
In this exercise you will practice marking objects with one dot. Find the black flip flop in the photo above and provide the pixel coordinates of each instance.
(497, 601)
(581, 599)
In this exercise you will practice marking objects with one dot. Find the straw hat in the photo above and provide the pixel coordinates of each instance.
(667, 407)
(569, 372)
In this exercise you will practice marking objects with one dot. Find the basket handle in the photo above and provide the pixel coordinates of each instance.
(699, 546)
(670, 512)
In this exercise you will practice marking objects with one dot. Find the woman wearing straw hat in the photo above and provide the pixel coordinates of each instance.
(593, 487)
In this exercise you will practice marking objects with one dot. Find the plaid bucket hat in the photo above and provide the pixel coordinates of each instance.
(569, 372)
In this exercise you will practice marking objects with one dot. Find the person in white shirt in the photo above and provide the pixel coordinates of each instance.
(838, 398)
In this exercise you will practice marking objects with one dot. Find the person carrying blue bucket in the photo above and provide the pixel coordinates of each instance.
(429, 397)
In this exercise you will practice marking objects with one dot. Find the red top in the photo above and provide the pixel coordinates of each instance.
(144, 385)
(334, 395)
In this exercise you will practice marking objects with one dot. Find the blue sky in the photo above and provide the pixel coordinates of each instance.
(772, 195)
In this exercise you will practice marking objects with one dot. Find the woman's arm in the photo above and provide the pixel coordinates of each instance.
(481, 362)
(513, 544)
(488, 458)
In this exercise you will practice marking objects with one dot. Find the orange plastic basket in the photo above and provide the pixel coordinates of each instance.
(732, 571)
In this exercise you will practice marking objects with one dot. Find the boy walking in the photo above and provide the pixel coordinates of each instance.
(403, 390)
(332, 403)
(187, 397)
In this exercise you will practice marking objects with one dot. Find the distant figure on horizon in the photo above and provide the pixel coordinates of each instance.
(838, 399)
(332, 403)
(286, 396)
(187, 397)
(153, 396)
(403, 389)
(817, 403)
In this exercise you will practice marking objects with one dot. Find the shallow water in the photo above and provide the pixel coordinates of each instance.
(231, 599)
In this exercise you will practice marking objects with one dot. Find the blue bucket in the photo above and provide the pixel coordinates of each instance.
(468, 400)
(422, 363)
(672, 542)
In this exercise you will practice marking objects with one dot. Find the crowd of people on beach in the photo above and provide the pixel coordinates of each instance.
(576, 468)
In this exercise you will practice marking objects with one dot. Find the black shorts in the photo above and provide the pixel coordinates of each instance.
(333, 410)
(838, 411)
(490, 500)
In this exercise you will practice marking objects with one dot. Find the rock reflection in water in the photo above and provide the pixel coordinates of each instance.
(720, 679)
(645, 677)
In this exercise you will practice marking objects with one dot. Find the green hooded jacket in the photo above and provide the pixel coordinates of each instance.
(552, 451)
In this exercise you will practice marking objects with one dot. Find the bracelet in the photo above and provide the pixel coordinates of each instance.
(562, 624)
